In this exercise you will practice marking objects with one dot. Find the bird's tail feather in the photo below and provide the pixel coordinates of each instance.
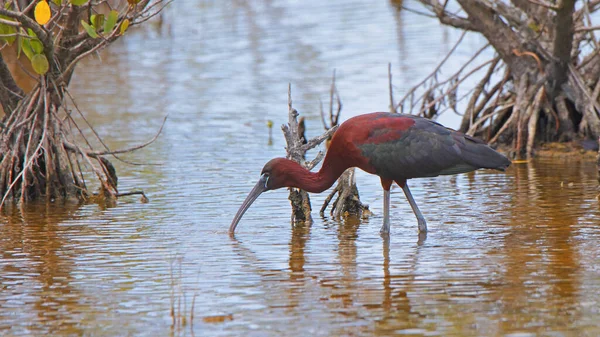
(481, 155)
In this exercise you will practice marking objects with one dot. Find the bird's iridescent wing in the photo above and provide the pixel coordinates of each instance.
(425, 149)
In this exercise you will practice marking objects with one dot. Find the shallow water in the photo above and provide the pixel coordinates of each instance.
(511, 253)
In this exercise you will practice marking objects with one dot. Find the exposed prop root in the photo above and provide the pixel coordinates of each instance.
(347, 201)
(43, 151)
(40, 159)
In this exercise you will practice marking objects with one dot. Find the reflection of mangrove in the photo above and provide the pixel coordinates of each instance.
(300, 234)
(541, 245)
(34, 232)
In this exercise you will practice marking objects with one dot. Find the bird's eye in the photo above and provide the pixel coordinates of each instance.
(266, 178)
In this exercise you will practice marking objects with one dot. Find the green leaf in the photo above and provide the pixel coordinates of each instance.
(89, 29)
(111, 21)
(57, 2)
(98, 21)
(19, 47)
(78, 2)
(36, 46)
(27, 49)
(40, 64)
(7, 30)
(30, 32)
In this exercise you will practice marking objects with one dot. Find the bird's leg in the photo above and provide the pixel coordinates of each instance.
(415, 208)
(385, 229)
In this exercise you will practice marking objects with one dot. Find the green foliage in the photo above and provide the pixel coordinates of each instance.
(106, 23)
(78, 2)
(40, 64)
(110, 22)
(97, 21)
(33, 48)
(7, 30)
(29, 44)
(36, 45)
(25, 46)
(89, 29)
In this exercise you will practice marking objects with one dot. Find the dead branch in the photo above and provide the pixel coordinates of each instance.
(144, 199)
(296, 151)
(390, 88)
(433, 73)
(348, 200)
(471, 111)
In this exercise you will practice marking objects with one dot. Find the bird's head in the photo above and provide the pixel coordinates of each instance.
(275, 174)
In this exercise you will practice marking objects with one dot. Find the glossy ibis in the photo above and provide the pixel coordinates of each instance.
(396, 147)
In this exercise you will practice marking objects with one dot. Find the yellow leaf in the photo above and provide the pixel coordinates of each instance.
(124, 26)
(42, 12)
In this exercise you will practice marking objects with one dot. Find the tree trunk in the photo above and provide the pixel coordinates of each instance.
(549, 46)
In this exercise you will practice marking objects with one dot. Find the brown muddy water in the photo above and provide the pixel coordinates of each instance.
(508, 254)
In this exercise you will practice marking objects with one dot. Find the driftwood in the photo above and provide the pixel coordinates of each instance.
(541, 85)
(296, 150)
(347, 201)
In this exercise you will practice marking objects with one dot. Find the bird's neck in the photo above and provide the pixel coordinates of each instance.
(317, 182)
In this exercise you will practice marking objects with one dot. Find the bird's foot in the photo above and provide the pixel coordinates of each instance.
(422, 225)
(422, 238)
(385, 230)
(385, 235)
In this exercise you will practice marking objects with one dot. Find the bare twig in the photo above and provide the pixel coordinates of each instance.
(435, 71)
(390, 88)
(95, 154)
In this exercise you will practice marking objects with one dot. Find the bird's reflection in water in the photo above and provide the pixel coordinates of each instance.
(344, 287)
(395, 300)
(347, 235)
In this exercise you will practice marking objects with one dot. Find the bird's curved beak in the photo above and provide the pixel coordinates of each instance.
(260, 187)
